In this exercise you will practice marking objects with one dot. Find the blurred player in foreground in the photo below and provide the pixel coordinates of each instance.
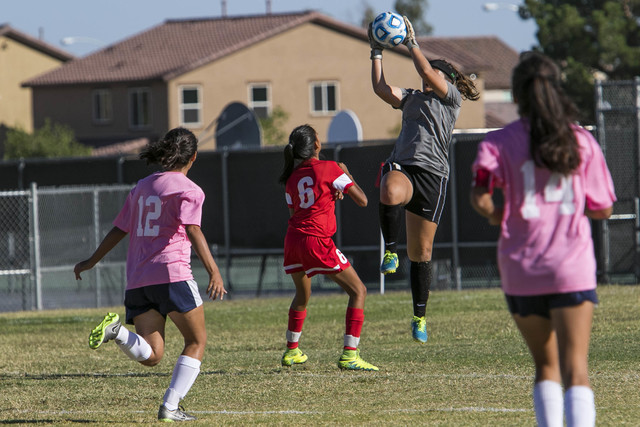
(311, 189)
(554, 178)
(415, 174)
(162, 216)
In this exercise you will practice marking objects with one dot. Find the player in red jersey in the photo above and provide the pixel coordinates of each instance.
(312, 187)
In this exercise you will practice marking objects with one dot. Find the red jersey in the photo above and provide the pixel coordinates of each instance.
(310, 192)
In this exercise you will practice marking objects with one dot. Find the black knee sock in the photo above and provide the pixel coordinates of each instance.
(390, 225)
(420, 285)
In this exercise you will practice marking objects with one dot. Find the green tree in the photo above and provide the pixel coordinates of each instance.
(588, 38)
(415, 10)
(51, 140)
(273, 131)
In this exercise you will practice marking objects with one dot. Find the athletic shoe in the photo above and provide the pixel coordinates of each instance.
(105, 331)
(177, 414)
(351, 360)
(293, 356)
(419, 329)
(390, 263)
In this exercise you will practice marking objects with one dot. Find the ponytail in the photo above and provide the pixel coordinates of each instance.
(536, 87)
(300, 147)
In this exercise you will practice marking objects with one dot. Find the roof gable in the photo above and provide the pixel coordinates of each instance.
(9, 32)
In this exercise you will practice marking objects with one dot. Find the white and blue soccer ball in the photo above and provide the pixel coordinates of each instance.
(389, 29)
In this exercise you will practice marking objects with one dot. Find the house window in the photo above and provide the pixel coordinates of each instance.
(191, 106)
(102, 108)
(260, 99)
(140, 107)
(324, 97)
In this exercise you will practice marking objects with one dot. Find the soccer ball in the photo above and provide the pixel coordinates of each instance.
(389, 29)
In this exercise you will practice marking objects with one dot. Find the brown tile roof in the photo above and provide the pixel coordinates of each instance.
(177, 46)
(497, 58)
(7, 31)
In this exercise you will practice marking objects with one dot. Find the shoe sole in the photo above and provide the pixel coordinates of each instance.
(349, 368)
(106, 322)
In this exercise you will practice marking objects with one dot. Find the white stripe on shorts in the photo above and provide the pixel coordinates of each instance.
(195, 292)
(292, 266)
(311, 270)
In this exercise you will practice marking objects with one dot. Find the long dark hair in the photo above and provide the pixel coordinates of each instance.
(173, 151)
(300, 146)
(536, 88)
(461, 81)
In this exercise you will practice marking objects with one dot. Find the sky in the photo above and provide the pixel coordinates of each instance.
(92, 24)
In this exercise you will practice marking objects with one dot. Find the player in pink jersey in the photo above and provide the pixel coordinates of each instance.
(162, 217)
(312, 187)
(554, 178)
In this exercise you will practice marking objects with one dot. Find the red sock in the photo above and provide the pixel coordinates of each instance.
(354, 320)
(296, 320)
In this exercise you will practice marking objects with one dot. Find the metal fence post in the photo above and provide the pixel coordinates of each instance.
(96, 236)
(226, 217)
(36, 245)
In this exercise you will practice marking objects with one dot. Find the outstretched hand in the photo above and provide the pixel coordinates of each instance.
(376, 47)
(410, 38)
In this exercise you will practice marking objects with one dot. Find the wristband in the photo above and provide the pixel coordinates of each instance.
(376, 54)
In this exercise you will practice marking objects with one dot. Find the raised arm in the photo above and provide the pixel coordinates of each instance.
(430, 76)
(390, 94)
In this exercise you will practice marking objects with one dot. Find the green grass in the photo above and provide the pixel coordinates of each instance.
(474, 371)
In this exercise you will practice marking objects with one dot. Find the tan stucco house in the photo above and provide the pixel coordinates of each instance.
(22, 57)
(184, 73)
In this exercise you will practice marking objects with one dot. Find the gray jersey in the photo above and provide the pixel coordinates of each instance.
(427, 126)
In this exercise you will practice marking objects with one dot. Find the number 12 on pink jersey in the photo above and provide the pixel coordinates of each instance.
(153, 213)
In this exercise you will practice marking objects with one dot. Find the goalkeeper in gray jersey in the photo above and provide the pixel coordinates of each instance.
(414, 177)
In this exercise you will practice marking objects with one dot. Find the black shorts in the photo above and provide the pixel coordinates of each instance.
(165, 298)
(429, 191)
(542, 304)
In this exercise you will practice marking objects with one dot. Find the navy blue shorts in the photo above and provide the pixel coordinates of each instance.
(541, 305)
(179, 296)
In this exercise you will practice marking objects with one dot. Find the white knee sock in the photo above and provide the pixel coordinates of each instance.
(184, 375)
(579, 406)
(547, 403)
(133, 345)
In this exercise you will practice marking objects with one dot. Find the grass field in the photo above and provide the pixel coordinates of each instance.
(474, 371)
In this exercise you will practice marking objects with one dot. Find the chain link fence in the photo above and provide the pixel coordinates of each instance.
(618, 125)
(45, 231)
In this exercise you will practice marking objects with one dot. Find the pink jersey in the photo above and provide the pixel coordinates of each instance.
(545, 244)
(155, 214)
(310, 193)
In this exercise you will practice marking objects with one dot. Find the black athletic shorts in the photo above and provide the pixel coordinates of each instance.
(542, 304)
(429, 191)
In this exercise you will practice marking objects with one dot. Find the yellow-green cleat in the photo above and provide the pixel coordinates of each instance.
(419, 329)
(105, 331)
(293, 356)
(390, 263)
(352, 361)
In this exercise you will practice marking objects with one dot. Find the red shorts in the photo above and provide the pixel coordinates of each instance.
(313, 255)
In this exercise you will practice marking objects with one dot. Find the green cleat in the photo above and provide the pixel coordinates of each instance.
(293, 356)
(105, 331)
(390, 263)
(178, 414)
(351, 360)
(419, 329)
